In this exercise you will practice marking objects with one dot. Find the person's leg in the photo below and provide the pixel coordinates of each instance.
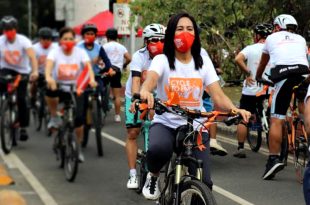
(116, 91)
(52, 101)
(280, 103)
(79, 123)
(161, 144)
(133, 129)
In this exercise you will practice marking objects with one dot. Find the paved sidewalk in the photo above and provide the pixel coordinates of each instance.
(20, 184)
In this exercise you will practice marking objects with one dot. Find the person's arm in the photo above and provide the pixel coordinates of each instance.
(103, 55)
(223, 102)
(148, 86)
(136, 81)
(34, 64)
(127, 59)
(240, 61)
(51, 83)
(92, 80)
(262, 65)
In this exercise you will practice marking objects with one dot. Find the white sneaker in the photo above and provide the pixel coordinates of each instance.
(151, 190)
(117, 118)
(81, 157)
(132, 182)
(216, 148)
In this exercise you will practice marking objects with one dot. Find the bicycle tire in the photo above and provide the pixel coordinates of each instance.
(41, 112)
(97, 125)
(86, 135)
(141, 171)
(7, 136)
(254, 134)
(202, 191)
(71, 157)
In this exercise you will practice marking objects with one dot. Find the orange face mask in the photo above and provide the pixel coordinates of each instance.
(10, 34)
(67, 45)
(184, 41)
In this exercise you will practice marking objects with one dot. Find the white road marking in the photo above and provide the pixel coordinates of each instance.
(12, 160)
(217, 189)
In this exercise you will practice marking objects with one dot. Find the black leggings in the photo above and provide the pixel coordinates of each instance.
(23, 110)
(162, 143)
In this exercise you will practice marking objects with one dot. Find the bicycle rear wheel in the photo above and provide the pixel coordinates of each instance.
(195, 192)
(254, 135)
(96, 112)
(7, 131)
(71, 157)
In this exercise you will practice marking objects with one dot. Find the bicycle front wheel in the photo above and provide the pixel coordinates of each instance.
(254, 135)
(71, 157)
(7, 130)
(195, 192)
(97, 125)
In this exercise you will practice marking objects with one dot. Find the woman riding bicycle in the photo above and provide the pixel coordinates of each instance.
(183, 70)
(64, 64)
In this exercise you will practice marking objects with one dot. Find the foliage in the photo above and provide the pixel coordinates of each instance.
(225, 24)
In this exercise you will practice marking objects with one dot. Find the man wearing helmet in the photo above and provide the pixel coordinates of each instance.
(249, 101)
(119, 58)
(42, 48)
(99, 59)
(288, 53)
(153, 35)
(16, 51)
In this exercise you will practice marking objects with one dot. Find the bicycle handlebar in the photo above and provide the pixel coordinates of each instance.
(265, 82)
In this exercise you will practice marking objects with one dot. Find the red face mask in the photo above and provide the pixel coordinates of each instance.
(10, 34)
(184, 41)
(67, 45)
(46, 45)
(155, 48)
(89, 39)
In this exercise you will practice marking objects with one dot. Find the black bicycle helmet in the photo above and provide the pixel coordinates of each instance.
(45, 33)
(89, 27)
(263, 29)
(9, 22)
(112, 33)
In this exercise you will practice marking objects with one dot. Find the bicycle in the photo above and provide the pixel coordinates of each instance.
(66, 145)
(96, 113)
(9, 111)
(178, 185)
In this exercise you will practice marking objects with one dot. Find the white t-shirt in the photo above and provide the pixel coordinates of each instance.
(13, 55)
(141, 62)
(286, 48)
(115, 52)
(41, 54)
(252, 54)
(67, 68)
(188, 82)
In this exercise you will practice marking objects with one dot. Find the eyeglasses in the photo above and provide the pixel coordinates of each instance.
(155, 40)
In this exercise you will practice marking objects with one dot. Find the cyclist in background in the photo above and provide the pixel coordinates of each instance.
(16, 51)
(288, 53)
(42, 48)
(119, 58)
(248, 60)
(64, 64)
(98, 57)
(153, 36)
(180, 69)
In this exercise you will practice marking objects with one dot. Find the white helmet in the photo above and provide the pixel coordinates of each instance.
(283, 20)
(154, 30)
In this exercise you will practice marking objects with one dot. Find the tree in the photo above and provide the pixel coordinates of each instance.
(226, 24)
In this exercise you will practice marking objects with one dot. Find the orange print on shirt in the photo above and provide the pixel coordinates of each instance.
(12, 57)
(42, 60)
(189, 90)
(67, 72)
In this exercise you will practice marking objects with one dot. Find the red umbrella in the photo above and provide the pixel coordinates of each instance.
(103, 20)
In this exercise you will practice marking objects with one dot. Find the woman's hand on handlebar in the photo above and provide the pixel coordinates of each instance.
(51, 83)
(148, 96)
(246, 115)
(93, 83)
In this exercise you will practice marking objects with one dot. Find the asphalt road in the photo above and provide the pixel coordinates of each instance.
(102, 181)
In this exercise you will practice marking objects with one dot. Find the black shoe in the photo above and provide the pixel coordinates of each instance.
(23, 136)
(273, 166)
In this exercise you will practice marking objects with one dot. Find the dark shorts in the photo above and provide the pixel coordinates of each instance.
(251, 102)
(115, 80)
(80, 101)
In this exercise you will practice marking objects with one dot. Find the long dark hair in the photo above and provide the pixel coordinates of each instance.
(169, 49)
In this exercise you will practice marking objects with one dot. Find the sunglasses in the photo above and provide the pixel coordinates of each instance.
(155, 40)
